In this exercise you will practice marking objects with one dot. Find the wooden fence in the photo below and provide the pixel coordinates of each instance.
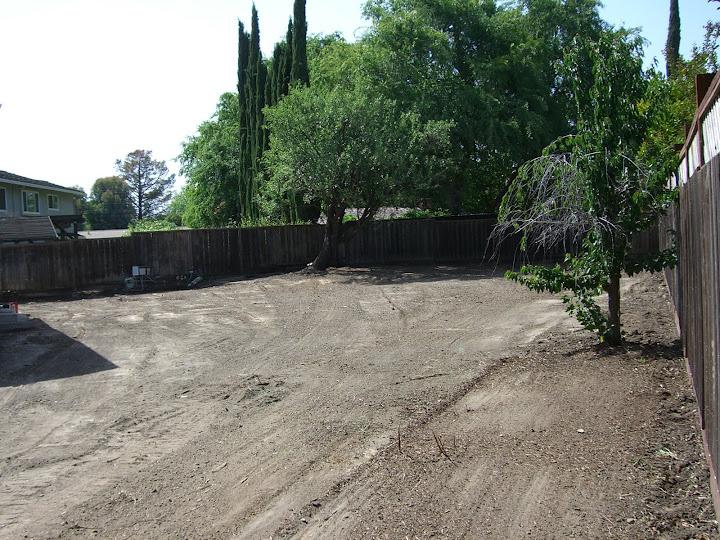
(217, 252)
(695, 289)
(694, 224)
(222, 252)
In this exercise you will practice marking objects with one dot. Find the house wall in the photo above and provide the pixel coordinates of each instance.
(14, 202)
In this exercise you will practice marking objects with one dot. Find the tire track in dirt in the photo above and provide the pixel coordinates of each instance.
(544, 445)
(216, 452)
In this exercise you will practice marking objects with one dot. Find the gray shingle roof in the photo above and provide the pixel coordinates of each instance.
(27, 229)
(4, 175)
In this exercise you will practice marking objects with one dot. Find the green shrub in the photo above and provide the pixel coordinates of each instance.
(151, 225)
(423, 214)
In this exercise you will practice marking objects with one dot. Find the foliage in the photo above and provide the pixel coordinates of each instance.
(493, 70)
(670, 102)
(261, 84)
(149, 182)
(582, 278)
(672, 47)
(252, 78)
(81, 206)
(299, 70)
(178, 207)
(347, 149)
(591, 187)
(424, 214)
(489, 68)
(209, 160)
(109, 205)
(151, 225)
(666, 106)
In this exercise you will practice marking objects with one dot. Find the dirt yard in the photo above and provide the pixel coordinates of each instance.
(396, 403)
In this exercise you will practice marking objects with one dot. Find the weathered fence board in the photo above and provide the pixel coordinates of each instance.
(217, 252)
(695, 291)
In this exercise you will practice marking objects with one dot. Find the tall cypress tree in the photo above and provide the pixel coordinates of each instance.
(272, 95)
(287, 60)
(672, 47)
(252, 98)
(244, 158)
(243, 51)
(300, 63)
(259, 116)
(261, 84)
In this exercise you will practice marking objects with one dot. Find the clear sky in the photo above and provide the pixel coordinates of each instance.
(84, 82)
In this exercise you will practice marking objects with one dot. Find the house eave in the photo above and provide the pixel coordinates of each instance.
(36, 187)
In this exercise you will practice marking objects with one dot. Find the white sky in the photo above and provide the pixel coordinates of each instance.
(84, 82)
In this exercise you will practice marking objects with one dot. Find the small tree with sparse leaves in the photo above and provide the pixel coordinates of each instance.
(591, 189)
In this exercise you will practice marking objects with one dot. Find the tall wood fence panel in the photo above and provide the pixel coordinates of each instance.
(695, 290)
(218, 252)
(694, 224)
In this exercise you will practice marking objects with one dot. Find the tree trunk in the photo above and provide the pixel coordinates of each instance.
(333, 236)
(455, 199)
(614, 332)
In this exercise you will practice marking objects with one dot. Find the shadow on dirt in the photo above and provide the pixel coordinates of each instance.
(376, 275)
(388, 275)
(650, 349)
(113, 290)
(41, 353)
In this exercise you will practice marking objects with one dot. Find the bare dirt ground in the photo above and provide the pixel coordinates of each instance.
(396, 403)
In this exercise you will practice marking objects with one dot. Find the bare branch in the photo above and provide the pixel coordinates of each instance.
(549, 202)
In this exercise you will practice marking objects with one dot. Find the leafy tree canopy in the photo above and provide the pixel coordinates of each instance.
(348, 148)
(109, 205)
(178, 208)
(209, 160)
(489, 68)
(592, 187)
(149, 182)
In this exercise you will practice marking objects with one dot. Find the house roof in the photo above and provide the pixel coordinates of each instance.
(27, 229)
(16, 179)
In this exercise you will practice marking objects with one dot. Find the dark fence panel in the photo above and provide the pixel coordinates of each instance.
(695, 291)
(217, 252)
(212, 252)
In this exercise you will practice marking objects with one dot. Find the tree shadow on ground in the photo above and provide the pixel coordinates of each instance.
(381, 274)
(399, 275)
(109, 291)
(655, 350)
(41, 353)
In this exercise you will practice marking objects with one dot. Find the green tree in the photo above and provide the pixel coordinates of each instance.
(287, 62)
(150, 225)
(299, 70)
(178, 208)
(670, 102)
(209, 160)
(347, 149)
(672, 47)
(252, 83)
(243, 162)
(149, 182)
(592, 186)
(489, 68)
(109, 205)
(274, 84)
